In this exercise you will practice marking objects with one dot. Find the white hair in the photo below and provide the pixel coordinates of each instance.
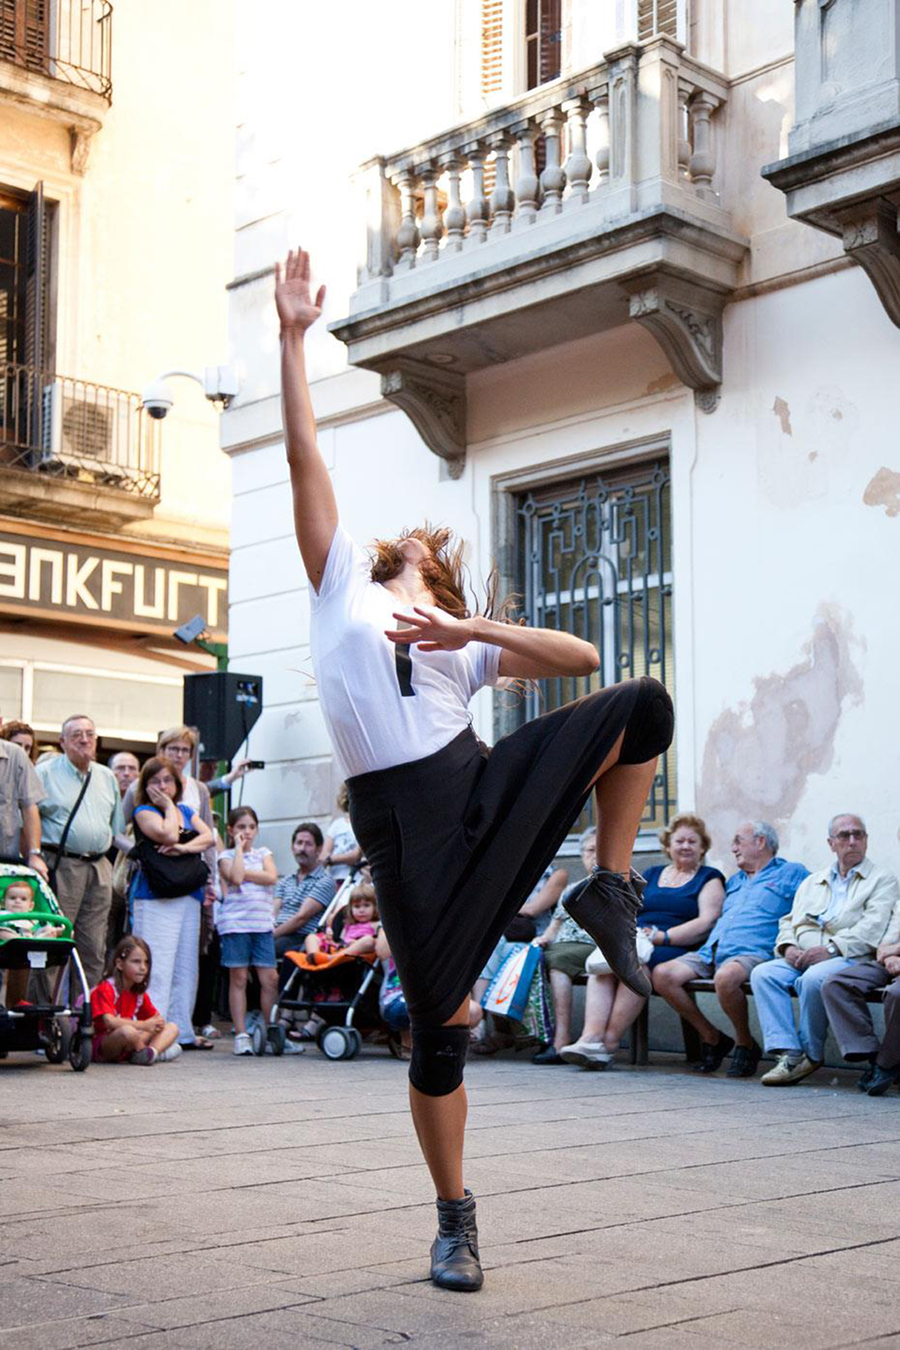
(763, 830)
(587, 836)
(849, 815)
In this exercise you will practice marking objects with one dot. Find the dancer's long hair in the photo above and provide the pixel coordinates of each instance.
(443, 571)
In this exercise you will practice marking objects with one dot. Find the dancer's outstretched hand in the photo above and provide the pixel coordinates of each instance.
(430, 629)
(292, 295)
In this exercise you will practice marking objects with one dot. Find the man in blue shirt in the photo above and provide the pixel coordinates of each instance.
(757, 897)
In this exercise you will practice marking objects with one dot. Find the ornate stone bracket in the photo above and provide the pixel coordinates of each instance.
(435, 402)
(871, 239)
(686, 320)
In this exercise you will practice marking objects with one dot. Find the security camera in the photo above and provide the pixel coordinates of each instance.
(156, 399)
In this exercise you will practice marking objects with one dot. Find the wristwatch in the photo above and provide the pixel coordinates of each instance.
(35, 853)
(832, 948)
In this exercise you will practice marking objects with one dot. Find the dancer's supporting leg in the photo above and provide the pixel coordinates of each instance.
(440, 1115)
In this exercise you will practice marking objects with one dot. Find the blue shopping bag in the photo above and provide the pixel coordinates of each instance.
(507, 993)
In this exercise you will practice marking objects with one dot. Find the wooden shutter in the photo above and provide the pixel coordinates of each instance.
(491, 47)
(37, 311)
(657, 16)
(24, 33)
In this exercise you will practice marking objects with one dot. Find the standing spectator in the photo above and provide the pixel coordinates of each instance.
(20, 733)
(126, 768)
(303, 896)
(170, 924)
(757, 896)
(340, 850)
(83, 870)
(20, 792)
(245, 920)
(839, 914)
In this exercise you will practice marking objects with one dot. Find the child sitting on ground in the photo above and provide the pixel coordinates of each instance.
(18, 898)
(359, 931)
(127, 1027)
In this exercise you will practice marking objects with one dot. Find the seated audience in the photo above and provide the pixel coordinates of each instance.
(839, 914)
(566, 948)
(757, 896)
(682, 901)
(844, 995)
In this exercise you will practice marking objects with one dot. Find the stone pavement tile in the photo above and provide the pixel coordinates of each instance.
(146, 1278)
(70, 1332)
(535, 1286)
(311, 1253)
(166, 1312)
(796, 1328)
(359, 1280)
(23, 1300)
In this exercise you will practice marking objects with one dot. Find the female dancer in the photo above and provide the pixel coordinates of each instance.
(456, 836)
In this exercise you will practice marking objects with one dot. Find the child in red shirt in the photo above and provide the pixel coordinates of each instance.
(127, 1027)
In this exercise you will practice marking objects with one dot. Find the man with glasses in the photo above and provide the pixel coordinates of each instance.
(84, 872)
(839, 915)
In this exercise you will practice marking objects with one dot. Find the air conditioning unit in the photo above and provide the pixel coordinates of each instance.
(80, 435)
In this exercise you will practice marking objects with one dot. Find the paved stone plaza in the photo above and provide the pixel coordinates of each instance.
(217, 1202)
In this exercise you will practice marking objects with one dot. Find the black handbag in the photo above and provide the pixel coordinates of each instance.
(521, 928)
(169, 874)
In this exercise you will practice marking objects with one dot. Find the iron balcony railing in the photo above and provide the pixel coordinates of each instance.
(68, 40)
(80, 432)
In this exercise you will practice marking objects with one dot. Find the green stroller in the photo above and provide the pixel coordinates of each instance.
(41, 939)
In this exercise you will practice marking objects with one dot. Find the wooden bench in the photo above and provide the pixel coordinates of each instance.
(639, 1035)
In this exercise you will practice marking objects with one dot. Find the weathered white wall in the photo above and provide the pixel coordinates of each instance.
(783, 629)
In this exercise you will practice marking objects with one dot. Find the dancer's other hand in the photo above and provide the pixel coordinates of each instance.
(293, 300)
(430, 629)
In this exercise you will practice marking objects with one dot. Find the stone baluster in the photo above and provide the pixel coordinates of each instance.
(527, 185)
(601, 103)
(502, 198)
(703, 160)
(408, 233)
(553, 179)
(578, 163)
(622, 65)
(432, 226)
(455, 215)
(477, 208)
(685, 90)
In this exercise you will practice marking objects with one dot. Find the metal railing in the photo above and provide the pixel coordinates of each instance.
(68, 40)
(76, 431)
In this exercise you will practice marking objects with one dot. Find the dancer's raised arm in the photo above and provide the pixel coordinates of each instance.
(315, 508)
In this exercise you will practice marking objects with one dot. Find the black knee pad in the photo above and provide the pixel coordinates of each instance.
(438, 1059)
(651, 726)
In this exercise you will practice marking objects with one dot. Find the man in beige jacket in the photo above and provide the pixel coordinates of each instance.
(849, 1013)
(839, 915)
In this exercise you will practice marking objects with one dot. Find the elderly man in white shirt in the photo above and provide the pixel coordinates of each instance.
(839, 915)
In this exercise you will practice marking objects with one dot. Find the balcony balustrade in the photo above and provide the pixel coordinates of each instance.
(623, 220)
(56, 60)
(74, 451)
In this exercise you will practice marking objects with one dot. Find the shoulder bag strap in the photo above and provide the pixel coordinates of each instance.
(60, 847)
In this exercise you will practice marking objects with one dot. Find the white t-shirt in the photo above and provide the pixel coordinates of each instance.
(344, 841)
(361, 675)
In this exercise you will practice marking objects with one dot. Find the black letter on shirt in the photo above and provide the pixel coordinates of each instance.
(404, 669)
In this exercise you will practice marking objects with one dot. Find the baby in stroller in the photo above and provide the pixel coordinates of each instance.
(19, 899)
(357, 937)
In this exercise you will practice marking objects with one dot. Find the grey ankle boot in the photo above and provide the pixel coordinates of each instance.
(454, 1252)
(606, 905)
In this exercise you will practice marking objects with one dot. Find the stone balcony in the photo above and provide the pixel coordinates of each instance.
(624, 221)
(842, 173)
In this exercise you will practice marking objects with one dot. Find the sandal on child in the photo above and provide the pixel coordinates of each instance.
(200, 1043)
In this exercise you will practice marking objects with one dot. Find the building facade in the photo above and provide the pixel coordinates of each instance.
(586, 307)
(116, 192)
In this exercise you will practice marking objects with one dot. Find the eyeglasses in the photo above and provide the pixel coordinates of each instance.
(844, 835)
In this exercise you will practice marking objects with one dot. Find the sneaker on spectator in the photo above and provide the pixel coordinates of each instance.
(290, 1048)
(174, 1052)
(590, 1054)
(209, 1032)
(146, 1056)
(790, 1069)
(242, 1044)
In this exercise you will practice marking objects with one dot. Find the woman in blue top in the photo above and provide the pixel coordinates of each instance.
(682, 901)
(171, 927)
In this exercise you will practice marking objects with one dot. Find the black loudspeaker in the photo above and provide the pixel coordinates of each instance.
(223, 706)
